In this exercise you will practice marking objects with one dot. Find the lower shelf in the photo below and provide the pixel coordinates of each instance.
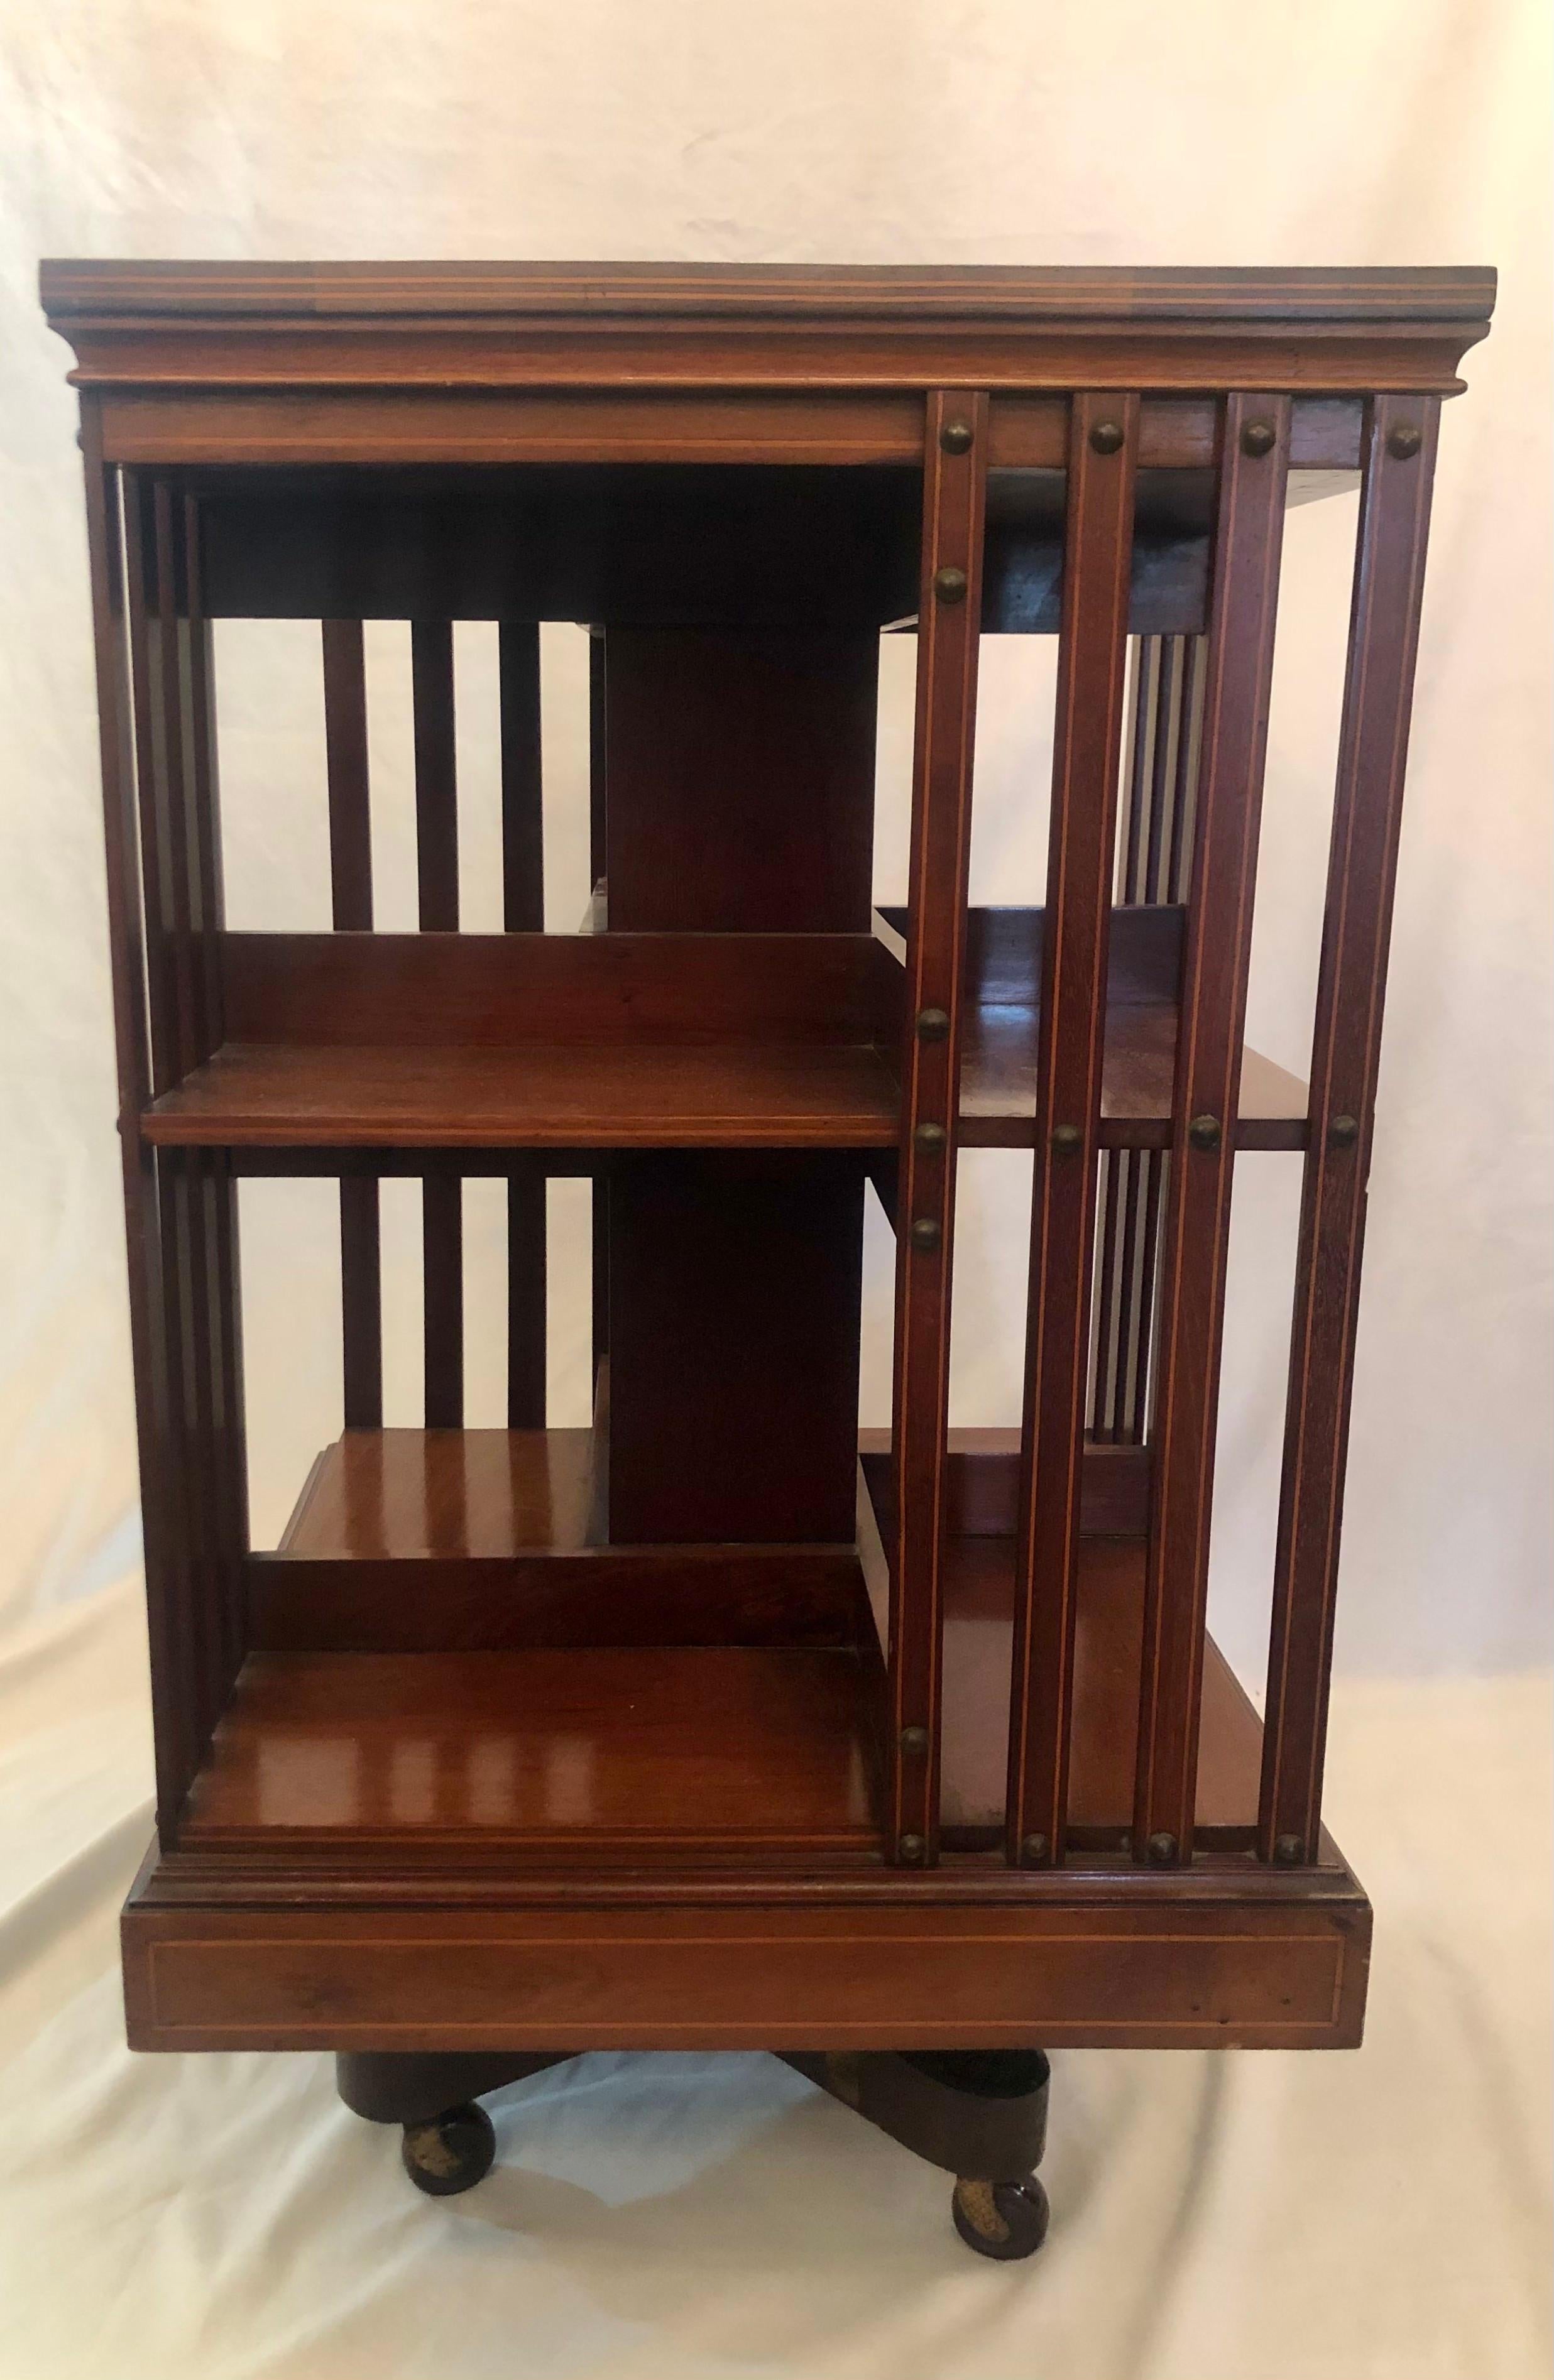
(666, 1751)
(453, 1660)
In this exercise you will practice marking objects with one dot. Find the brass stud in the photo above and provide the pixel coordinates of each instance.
(955, 437)
(926, 1233)
(931, 1138)
(933, 1025)
(1257, 438)
(1288, 1850)
(1204, 1132)
(914, 1738)
(1405, 442)
(1067, 1139)
(1035, 1846)
(1162, 1850)
(1343, 1131)
(950, 584)
(912, 1848)
(1107, 437)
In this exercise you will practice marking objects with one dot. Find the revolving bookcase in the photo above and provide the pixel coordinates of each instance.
(905, 1755)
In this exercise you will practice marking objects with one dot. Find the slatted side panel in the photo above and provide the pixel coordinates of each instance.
(1398, 462)
(598, 863)
(189, 1358)
(1253, 464)
(522, 905)
(1092, 657)
(350, 870)
(955, 488)
(431, 676)
(1154, 847)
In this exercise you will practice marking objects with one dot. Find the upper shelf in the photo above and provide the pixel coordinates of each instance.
(620, 1040)
(747, 1095)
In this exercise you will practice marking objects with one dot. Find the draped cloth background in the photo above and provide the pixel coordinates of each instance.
(1234, 2220)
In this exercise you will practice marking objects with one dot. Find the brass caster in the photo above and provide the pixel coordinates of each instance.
(453, 2153)
(1001, 2218)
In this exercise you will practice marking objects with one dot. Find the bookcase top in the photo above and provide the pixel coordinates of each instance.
(74, 288)
(799, 327)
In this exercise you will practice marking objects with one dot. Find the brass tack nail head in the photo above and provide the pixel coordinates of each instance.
(955, 437)
(933, 1025)
(1162, 1850)
(912, 1848)
(1107, 437)
(914, 1738)
(929, 1137)
(1288, 1850)
(1204, 1132)
(1405, 442)
(1257, 438)
(1343, 1131)
(949, 584)
(1035, 1846)
(926, 1233)
(1067, 1139)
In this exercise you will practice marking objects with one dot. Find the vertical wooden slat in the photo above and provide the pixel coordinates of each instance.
(1399, 462)
(432, 672)
(523, 842)
(1167, 705)
(523, 902)
(1092, 659)
(1145, 712)
(599, 715)
(113, 515)
(1253, 464)
(442, 1282)
(432, 680)
(174, 775)
(345, 732)
(598, 759)
(954, 485)
(1178, 868)
(362, 1302)
(217, 1197)
(350, 872)
(155, 862)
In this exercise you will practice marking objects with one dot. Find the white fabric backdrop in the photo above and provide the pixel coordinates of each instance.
(971, 130)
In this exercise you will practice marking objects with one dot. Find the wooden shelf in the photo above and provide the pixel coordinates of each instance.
(978, 1607)
(998, 1083)
(677, 1749)
(699, 1747)
(407, 1494)
(751, 1097)
(746, 1096)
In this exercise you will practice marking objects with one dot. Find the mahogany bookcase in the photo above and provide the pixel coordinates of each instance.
(714, 1725)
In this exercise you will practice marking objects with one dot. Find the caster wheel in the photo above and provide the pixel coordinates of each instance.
(453, 2153)
(1001, 2218)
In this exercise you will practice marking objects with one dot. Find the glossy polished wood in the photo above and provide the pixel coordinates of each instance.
(1087, 748)
(738, 1969)
(1400, 439)
(401, 1492)
(1108, 1606)
(1195, 1243)
(764, 1096)
(954, 497)
(722, 1749)
(216, 328)
(570, 1791)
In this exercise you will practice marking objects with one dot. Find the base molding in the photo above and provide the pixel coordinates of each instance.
(1068, 1965)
